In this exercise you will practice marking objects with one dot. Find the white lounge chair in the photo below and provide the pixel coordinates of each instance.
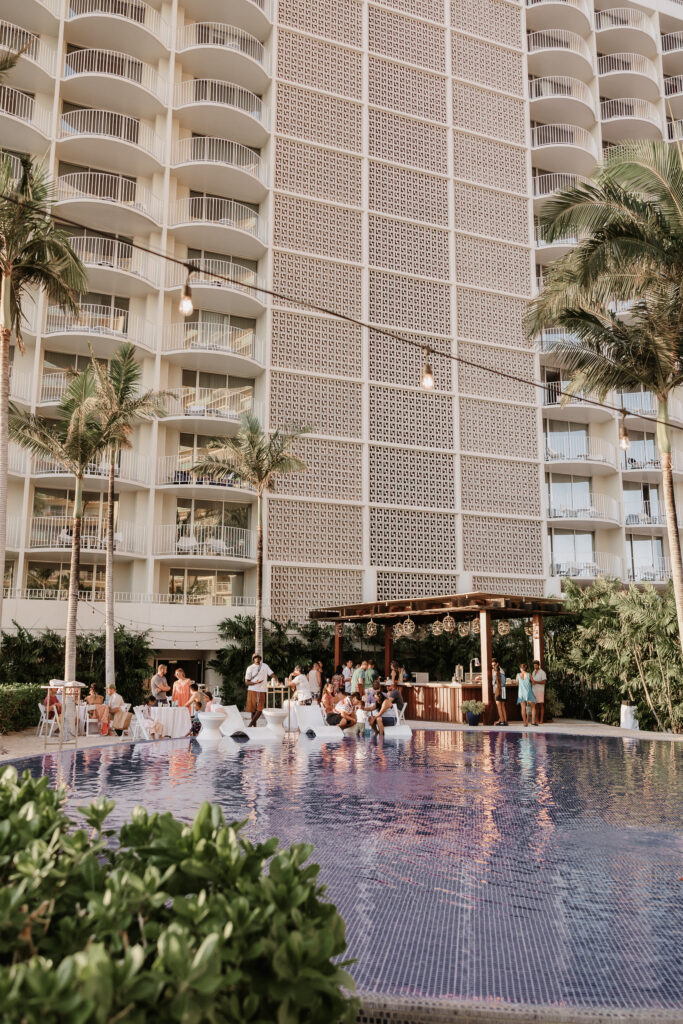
(233, 724)
(311, 721)
(46, 726)
(400, 731)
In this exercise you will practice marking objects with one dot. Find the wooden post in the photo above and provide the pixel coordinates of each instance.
(388, 648)
(485, 652)
(338, 644)
(537, 638)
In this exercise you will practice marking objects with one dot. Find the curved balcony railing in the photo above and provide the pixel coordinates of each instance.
(111, 125)
(96, 319)
(177, 471)
(52, 386)
(644, 513)
(222, 212)
(129, 467)
(226, 37)
(562, 135)
(119, 65)
(672, 41)
(548, 184)
(109, 188)
(211, 541)
(14, 39)
(212, 90)
(213, 403)
(599, 565)
(673, 85)
(24, 108)
(541, 231)
(14, 165)
(641, 455)
(614, 110)
(558, 86)
(211, 272)
(599, 507)
(622, 17)
(135, 11)
(56, 532)
(219, 151)
(19, 385)
(558, 39)
(548, 338)
(580, 5)
(656, 571)
(636, 402)
(133, 597)
(206, 337)
(16, 458)
(14, 531)
(674, 131)
(617, 63)
(112, 254)
(579, 448)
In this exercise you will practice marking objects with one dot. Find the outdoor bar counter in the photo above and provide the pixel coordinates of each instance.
(442, 702)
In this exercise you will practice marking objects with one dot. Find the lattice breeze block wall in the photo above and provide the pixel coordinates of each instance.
(476, 381)
(335, 286)
(318, 117)
(495, 66)
(502, 545)
(402, 585)
(405, 39)
(295, 590)
(401, 415)
(403, 476)
(332, 19)
(299, 531)
(410, 248)
(404, 140)
(496, 214)
(313, 343)
(313, 171)
(325, 405)
(406, 193)
(513, 486)
(334, 469)
(413, 539)
(493, 318)
(508, 585)
(318, 228)
(497, 20)
(392, 362)
(319, 65)
(490, 162)
(498, 429)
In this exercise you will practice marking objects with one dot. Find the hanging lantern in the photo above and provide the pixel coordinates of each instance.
(448, 624)
(503, 627)
(408, 627)
(464, 629)
(474, 627)
(398, 631)
(371, 628)
(437, 628)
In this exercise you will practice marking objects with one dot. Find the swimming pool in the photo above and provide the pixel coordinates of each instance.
(499, 868)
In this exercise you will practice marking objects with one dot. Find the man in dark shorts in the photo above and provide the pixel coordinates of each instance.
(387, 714)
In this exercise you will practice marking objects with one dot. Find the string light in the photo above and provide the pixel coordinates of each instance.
(427, 372)
(624, 440)
(186, 306)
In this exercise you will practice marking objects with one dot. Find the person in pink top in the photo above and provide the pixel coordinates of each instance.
(181, 689)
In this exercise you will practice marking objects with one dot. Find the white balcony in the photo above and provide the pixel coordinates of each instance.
(560, 98)
(115, 267)
(672, 49)
(37, 66)
(216, 50)
(641, 461)
(41, 16)
(175, 472)
(52, 387)
(24, 123)
(19, 386)
(563, 406)
(14, 164)
(17, 460)
(566, 148)
(104, 327)
(218, 224)
(123, 144)
(112, 79)
(14, 533)
(131, 471)
(130, 26)
(254, 16)
(673, 92)
(573, 15)
(54, 533)
(131, 597)
(674, 131)
(224, 287)
(213, 347)
(600, 565)
(548, 251)
(645, 515)
(656, 571)
(214, 107)
(89, 196)
(600, 511)
(577, 450)
(630, 118)
(208, 409)
(546, 185)
(187, 544)
(558, 51)
(628, 74)
(625, 29)
(220, 165)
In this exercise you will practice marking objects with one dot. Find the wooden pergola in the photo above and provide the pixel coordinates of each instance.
(483, 608)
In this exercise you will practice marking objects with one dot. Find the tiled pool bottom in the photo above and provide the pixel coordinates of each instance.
(510, 870)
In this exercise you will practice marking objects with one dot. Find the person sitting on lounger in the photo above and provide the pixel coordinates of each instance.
(153, 727)
(344, 713)
(387, 713)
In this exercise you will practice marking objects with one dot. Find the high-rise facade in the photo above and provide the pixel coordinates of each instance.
(377, 158)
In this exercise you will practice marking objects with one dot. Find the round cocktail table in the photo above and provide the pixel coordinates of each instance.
(275, 718)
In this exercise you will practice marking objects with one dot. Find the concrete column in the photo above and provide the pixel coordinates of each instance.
(485, 641)
(537, 638)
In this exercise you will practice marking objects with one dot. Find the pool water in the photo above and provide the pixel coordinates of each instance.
(527, 869)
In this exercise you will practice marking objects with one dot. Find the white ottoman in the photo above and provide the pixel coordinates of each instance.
(275, 718)
(209, 734)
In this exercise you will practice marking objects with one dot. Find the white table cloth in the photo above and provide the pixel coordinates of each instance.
(175, 721)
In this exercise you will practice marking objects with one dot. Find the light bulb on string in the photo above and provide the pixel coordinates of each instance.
(186, 305)
(427, 372)
(624, 440)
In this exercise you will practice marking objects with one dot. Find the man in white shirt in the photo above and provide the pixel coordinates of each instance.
(256, 677)
(315, 680)
(298, 682)
(538, 681)
(347, 675)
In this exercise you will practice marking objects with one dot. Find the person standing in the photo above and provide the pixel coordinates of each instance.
(525, 695)
(498, 686)
(539, 679)
(159, 686)
(371, 674)
(358, 678)
(315, 679)
(347, 675)
(181, 688)
(337, 679)
(256, 677)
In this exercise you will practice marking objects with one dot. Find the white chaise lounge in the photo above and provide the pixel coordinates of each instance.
(233, 724)
(311, 722)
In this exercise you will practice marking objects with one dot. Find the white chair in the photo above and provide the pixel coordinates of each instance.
(233, 724)
(186, 545)
(139, 726)
(400, 731)
(88, 721)
(46, 726)
(311, 721)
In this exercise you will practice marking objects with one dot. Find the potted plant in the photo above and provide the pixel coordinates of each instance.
(474, 709)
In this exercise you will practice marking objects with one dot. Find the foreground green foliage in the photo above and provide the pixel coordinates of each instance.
(164, 921)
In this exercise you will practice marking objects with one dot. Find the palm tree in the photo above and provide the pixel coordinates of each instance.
(257, 458)
(630, 219)
(75, 440)
(35, 255)
(121, 405)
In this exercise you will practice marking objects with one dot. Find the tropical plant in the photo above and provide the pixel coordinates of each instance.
(475, 707)
(35, 255)
(121, 405)
(630, 220)
(75, 440)
(258, 459)
(163, 920)
(19, 706)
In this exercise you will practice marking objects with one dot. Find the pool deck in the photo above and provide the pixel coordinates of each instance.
(26, 743)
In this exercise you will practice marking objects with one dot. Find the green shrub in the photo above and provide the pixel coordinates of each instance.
(164, 921)
(475, 707)
(19, 706)
(553, 705)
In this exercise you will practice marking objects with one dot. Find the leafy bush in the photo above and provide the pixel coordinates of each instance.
(475, 707)
(553, 705)
(97, 927)
(19, 706)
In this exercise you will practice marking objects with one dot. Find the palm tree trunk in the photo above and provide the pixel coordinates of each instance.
(664, 444)
(74, 572)
(109, 666)
(5, 334)
(258, 630)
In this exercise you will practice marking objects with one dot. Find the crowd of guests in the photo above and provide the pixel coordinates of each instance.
(530, 693)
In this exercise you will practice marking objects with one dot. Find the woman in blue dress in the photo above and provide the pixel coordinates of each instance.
(525, 695)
